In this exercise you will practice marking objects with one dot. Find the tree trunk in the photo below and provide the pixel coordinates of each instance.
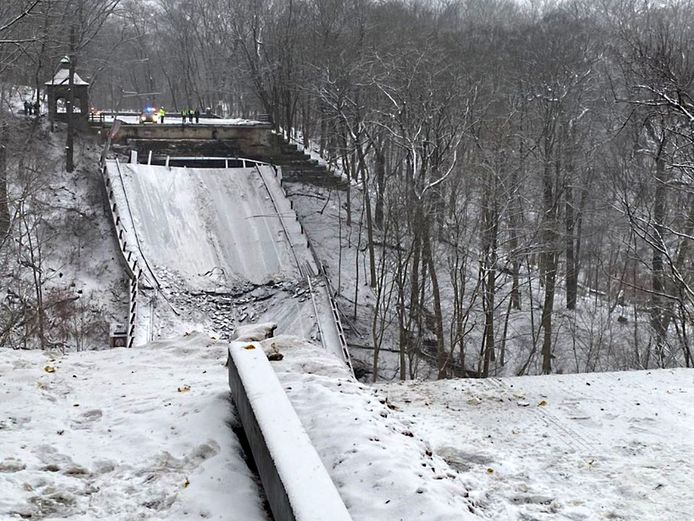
(369, 219)
(550, 275)
(441, 357)
(515, 212)
(413, 318)
(571, 275)
(4, 209)
(69, 143)
(549, 257)
(380, 182)
(658, 314)
(490, 232)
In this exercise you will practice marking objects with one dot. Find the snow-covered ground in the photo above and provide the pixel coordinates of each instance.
(142, 433)
(564, 447)
(382, 468)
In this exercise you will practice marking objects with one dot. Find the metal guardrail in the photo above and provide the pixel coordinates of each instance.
(336, 317)
(243, 161)
(157, 285)
(132, 220)
(321, 271)
(132, 267)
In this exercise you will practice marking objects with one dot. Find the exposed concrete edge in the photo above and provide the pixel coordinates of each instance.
(296, 483)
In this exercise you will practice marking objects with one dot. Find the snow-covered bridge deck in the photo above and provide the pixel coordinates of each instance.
(198, 222)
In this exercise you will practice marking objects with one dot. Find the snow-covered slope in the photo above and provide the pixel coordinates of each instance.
(383, 470)
(60, 227)
(140, 433)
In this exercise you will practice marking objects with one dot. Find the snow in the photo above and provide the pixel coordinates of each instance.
(564, 447)
(62, 77)
(79, 252)
(140, 433)
(381, 469)
(255, 332)
(561, 447)
(117, 434)
(196, 222)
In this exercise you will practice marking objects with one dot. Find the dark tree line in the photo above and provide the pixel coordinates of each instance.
(522, 174)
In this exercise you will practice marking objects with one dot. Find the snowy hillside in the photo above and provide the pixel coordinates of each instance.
(61, 246)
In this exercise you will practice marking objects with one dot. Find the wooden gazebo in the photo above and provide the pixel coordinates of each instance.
(58, 91)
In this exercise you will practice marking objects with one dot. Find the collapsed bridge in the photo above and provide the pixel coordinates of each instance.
(217, 241)
(210, 238)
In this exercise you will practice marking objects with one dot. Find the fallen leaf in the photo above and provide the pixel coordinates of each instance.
(49, 369)
(186, 483)
(184, 389)
(490, 471)
(249, 347)
(542, 403)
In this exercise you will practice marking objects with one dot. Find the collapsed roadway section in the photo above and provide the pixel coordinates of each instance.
(212, 240)
(220, 247)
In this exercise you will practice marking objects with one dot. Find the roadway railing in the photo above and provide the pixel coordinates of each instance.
(229, 162)
(335, 312)
(131, 265)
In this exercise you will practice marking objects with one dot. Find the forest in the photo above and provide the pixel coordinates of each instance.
(521, 172)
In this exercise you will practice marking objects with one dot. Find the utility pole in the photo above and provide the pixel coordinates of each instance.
(70, 141)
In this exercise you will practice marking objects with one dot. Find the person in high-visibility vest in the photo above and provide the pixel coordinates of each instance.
(162, 114)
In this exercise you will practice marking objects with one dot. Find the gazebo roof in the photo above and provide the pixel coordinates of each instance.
(62, 78)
